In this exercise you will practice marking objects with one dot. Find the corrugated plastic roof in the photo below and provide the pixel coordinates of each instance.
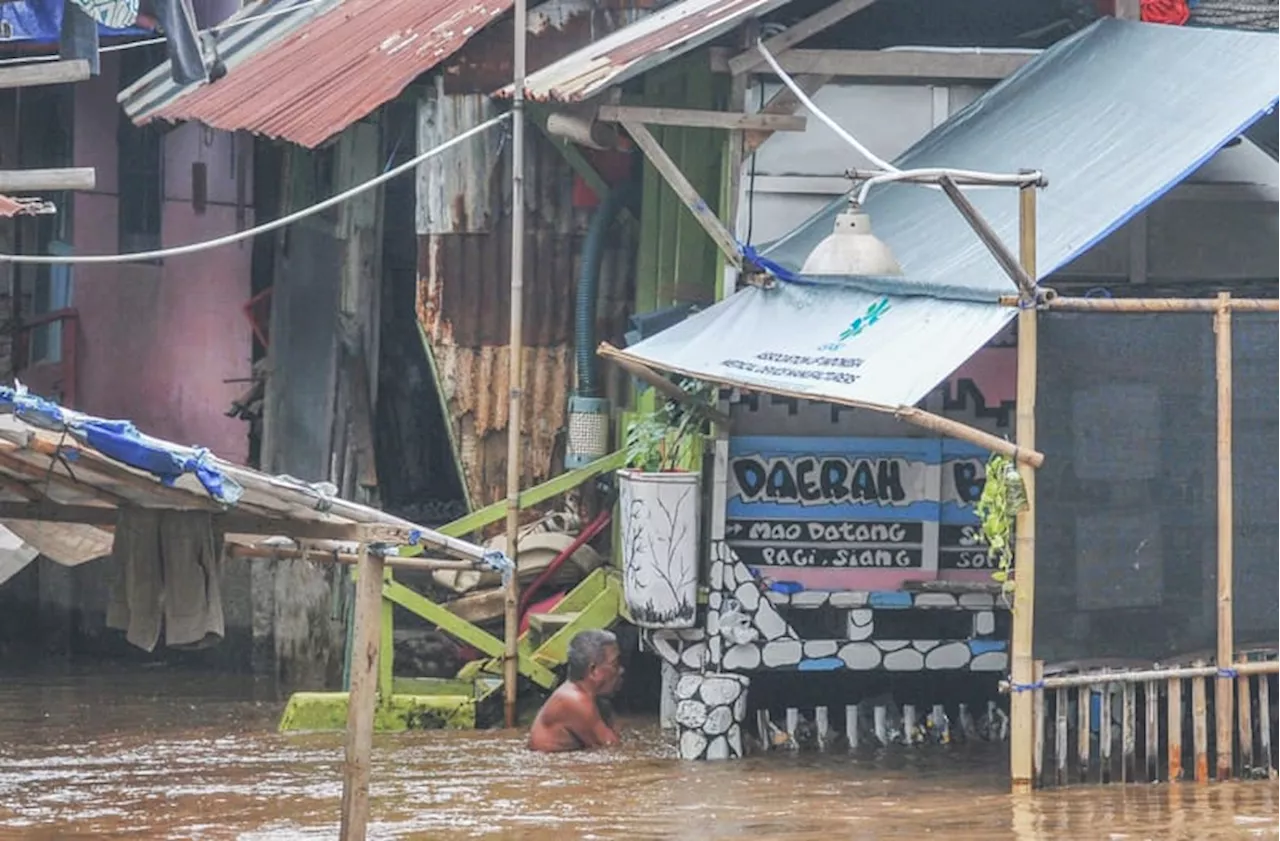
(303, 70)
(1114, 116)
(648, 43)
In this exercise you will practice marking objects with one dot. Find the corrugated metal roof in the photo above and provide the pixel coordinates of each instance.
(648, 43)
(304, 70)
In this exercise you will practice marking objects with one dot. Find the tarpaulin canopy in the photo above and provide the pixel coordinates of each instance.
(1114, 117)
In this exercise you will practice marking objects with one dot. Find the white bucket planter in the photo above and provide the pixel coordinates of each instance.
(659, 551)
(710, 711)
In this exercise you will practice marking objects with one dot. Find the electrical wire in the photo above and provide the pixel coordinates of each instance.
(229, 239)
(146, 42)
(892, 173)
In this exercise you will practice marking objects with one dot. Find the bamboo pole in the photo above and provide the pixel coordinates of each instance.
(361, 700)
(1020, 741)
(1038, 724)
(1173, 725)
(1105, 718)
(1261, 667)
(1128, 738)
(1222, 698)
(1264, 722)
(1060, 736)
(1017, 271)
(515, 375)
(1147, 305)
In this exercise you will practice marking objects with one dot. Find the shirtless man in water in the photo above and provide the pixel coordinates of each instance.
(576, 715)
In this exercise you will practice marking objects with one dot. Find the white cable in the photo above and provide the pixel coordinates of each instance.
(115, 48)
(192, 248)
(892, 171)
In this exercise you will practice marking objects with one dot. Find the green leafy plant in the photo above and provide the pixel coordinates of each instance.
(664, 439)
(1003, 496)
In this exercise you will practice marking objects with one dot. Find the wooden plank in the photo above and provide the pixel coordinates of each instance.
(536, 495)
(784, 102)
(750, 59)
(896, 66)
(694, 118)
(1200, 728)
(1173, 729)
(1060, 737)
(1128, 736)
(1084, 700)
(44, 73)
(362, 700)
(1226, 634)
(1244, 722)
(1021, 644)
(1105, 719)
(688, 195)
(1038, 723)
(1151, 694)
(47, 180)
(387, 651)
(1264, 722)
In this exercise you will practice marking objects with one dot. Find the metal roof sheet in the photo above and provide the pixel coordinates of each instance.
(1114, 116)
(303, 70)
(648, 43)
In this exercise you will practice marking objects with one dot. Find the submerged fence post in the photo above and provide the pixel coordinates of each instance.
(1222, 696)
(362, 697)
(1022, 725)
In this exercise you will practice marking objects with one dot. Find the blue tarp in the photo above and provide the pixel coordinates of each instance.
(1114, 116)
(41, 21)
(121, 440)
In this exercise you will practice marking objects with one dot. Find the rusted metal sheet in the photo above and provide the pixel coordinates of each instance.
(307, 75)
(554, 30)
(635, 49)
(464, 306)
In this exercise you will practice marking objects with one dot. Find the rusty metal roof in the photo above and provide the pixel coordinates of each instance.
(642, 46)
(303, 70)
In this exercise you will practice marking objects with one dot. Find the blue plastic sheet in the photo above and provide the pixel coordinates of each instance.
(120, 440)
(41, 21)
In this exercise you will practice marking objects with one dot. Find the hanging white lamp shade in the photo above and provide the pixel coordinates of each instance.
(852, 250)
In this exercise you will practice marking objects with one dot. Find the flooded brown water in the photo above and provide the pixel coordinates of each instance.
(164, 754)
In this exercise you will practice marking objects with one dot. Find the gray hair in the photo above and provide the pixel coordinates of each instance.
(587, 649)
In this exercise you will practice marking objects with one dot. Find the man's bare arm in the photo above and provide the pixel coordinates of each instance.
(585, 722)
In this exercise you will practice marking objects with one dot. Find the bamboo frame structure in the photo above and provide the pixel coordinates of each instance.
(1222, 696)
(1021, 645)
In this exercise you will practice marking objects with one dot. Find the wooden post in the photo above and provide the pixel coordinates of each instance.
(1038, 722)
(1151, 694)
(1024, 556)
(362, 698)
(1173, 729)
(1060, 736)
(387, 643)
(1222, 697)
(1105, 718)
(1244, 721)
(1264, 721)
(1084, 700)
(1200, 727)
(1128, 736)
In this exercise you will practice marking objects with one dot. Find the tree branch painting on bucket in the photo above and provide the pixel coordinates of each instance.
(659, 498)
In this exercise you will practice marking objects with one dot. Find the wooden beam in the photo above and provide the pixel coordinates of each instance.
(43, 73)
(658, 381)
(47, 180)
(362, 699)
(750, 58)
(901, 66)
(700, 119)
(784, 102)
(687, 192)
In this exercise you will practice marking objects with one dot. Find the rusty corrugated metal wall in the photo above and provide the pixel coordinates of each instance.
(464, 248)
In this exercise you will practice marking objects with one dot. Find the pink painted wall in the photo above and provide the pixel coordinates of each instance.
(157, 342)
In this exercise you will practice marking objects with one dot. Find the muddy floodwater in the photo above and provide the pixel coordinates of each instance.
(160, 753)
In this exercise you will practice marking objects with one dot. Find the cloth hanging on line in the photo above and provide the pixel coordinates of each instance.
(169, 569)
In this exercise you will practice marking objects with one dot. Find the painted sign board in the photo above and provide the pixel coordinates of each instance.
(842, 513)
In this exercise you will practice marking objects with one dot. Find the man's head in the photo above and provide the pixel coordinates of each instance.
(594, 662)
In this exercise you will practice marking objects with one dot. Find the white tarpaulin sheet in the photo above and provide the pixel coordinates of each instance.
(830, 342)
